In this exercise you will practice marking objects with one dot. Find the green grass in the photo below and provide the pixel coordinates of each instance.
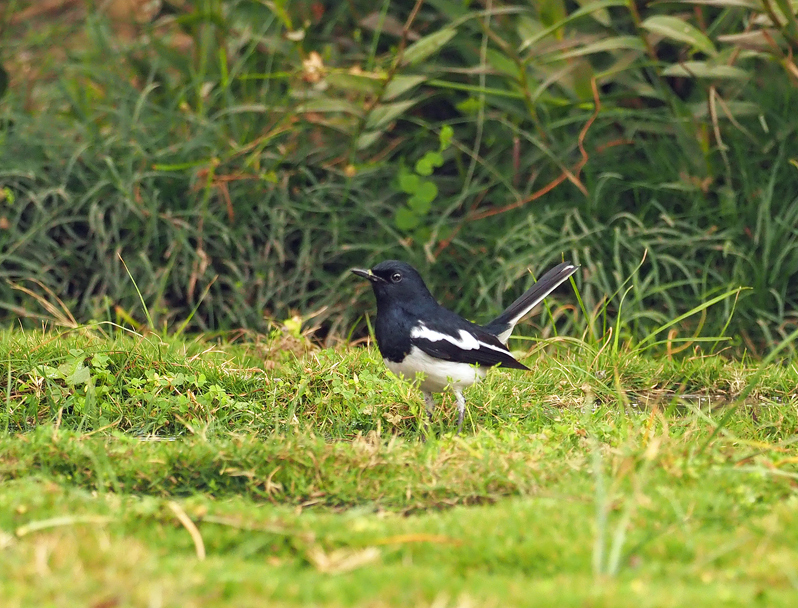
(303, 479)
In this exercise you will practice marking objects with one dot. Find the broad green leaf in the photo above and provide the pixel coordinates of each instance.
(386, 112)
(419, 206)
(423, 234)
(428, 162)
(447, 134)
(405, 219)
(419, 51)
(470, 105)
(408, 182)
(426, 192)
(736, 108)
(551, 11)
(601, 15)
(354, 82)
(501, 63)
(401, 84)
(528, 27)
(50, 372)
(758, 40)
(7, 196)
(81, 375)
(368, 138)
(423, 167)
(434, 158)
(326, 104)
(644, 89)
(616, 43)
(677, 29)
(588, 9)
(788, 13)
(100, 360)
(582, 78)
(702, 69)
(752, 4)
(421, 201)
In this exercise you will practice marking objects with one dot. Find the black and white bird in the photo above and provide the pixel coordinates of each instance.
(421, 340)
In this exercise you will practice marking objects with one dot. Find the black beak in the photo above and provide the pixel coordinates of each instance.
(367, 274)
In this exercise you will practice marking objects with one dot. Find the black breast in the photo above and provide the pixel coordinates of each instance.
(392, 331)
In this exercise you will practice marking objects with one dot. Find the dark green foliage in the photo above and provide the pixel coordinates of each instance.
(240, 156)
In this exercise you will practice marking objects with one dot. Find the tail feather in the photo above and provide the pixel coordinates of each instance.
(502, 326)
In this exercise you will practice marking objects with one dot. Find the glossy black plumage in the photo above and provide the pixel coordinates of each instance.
(416, 335)
(506, 321)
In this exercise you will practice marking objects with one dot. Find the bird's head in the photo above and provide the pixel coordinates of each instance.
(395, 282)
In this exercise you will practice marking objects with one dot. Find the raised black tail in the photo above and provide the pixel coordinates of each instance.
(502, 326)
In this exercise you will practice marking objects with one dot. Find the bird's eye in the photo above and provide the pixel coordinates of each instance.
(396, 277)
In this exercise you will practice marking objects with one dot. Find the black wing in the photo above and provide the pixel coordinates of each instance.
(503, 325)
(455, 339)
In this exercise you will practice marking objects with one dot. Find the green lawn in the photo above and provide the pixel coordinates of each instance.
(160, 472)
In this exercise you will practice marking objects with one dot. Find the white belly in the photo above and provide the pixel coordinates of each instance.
(435, 375)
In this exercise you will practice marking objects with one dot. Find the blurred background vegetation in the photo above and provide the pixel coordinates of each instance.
(239, 156)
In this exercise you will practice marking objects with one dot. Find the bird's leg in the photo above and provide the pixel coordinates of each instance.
(429, 402)
(461, 410)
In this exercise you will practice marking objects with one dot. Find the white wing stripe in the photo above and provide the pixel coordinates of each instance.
(466, 341)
